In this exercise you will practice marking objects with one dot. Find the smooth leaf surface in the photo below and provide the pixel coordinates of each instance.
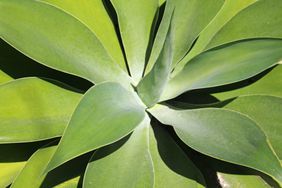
(32, 109)
(58, 40)
(126, 163)
(106, 113)
(227, 12)
(262, 19)
(172, 167)
(94, 15)
(32, 174)
(267, 85)
(136, 22)
(266, 112)
(224, 65)
(4, 77)
(190, 18)
(152, 85)
(230, 136)
(12, 160)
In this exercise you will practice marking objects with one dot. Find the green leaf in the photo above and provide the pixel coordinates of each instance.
(32, 109)
(155, 159)
(32, 174)
(262, 19)
(136, 22)
(266, 112)
(225, 65)
(267, 85)
(58, 40)
(152, 85)
(4, 77)
(229, 134)
(190, 18)
(227, 12)
(106, 113)
(126, 163)
(12, 160)
(94, 15)
(172, 167)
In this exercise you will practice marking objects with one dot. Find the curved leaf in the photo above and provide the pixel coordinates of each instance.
(32, 174)
(172, 167)
(227, 64)
(267, 85)
(94, 15)
(262, 19)
(136, 21)
(106, 113)
(230, 136)
(152, 85)
(255, 107)
(32, 109)
(58, 40)
(128, 161)
(12, 160)
(190, 18)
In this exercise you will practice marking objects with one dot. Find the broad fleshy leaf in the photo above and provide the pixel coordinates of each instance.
(262, 19)
(32, 174)
(172, 167)
(227, 12)
(152, 85)
(106, 113)
(267, 85)
(127, 160)
(266, 112)
(136, 23)
(32, 109)
(190, 18)
(229, 134)
(155, 159)
(224, 65)
(58, 40)
(94, 15)
(12, 160)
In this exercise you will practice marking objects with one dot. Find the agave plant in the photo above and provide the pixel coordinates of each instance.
(182, 93)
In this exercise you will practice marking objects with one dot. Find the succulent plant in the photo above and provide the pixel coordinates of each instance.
(176, 93)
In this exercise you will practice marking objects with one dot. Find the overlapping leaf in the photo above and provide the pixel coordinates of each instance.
(106, 113)
(32, 109)
(225, 65)
(230, 136)
(58, 40)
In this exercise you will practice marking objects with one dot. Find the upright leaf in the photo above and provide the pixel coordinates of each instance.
(136, 22)
(58, 40)
(255, 106)
(267, 85)
(226, 13)
(152, 85)
(224, 65)
(190, 18)
(230, 136)
(262, 19)
(32, 109)
(106, 113)
(94, 15)
(126, 163)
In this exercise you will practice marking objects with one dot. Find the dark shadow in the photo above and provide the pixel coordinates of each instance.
(67, 171)
(17, 65)
(172, 155)
(113, 15)
(196, 97)
(109, 149)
